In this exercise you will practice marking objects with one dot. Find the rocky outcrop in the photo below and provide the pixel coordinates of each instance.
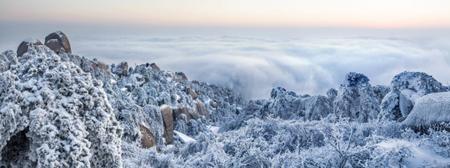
(406, 88)
(98, 70)
(288, 105)
(167, 115)
(145, 86)
(26, 45)
(180, 76)
(147, 138)
(184, 113)
(201, 109)
(285, 104)
(356, 99)
(58, 42)
(155, 67)
(121, 69)
(191, 92)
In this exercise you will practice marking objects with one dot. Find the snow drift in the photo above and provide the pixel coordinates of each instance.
(432, 109)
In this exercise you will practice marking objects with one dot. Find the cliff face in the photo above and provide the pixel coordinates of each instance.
(59, 109)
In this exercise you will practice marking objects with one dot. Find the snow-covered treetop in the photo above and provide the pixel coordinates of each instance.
(354, 79)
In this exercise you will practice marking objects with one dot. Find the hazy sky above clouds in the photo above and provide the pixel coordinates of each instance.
(278, 13)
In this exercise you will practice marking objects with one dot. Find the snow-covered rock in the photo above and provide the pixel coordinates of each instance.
(285, 104)
(121, 69)
(26, 45)
(356, 99)
(406, 88)
(380, 91)
(180, 76)
(154, 66)
(430, 110)
(185, 138)
(97, 69)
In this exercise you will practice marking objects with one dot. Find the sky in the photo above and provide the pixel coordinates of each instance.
(234, 13)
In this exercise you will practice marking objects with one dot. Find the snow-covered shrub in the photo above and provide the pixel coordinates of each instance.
(61, 114)
(7, 59)
(356, 99)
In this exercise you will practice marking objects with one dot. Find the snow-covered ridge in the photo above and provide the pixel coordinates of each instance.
(92, 108)
(60, 109)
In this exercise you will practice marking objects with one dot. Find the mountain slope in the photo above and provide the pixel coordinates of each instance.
(59, 109)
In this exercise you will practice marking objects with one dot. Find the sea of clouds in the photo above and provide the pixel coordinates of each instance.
(255, 64)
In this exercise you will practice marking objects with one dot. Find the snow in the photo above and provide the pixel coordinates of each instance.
(185, 138)
(214, 129)
(419, 157)
(430, 109)
(164, 106)
(410, 94)
(52, 40)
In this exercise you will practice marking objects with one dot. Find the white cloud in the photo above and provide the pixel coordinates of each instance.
(255, 65)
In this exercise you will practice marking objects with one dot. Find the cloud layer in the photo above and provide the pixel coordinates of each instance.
(255, 65)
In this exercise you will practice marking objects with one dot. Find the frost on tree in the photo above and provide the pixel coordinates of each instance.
(356, 99)
(55, 115)
(285, 104)
(7, 59)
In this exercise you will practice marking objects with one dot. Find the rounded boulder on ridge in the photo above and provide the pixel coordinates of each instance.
(58, 42)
